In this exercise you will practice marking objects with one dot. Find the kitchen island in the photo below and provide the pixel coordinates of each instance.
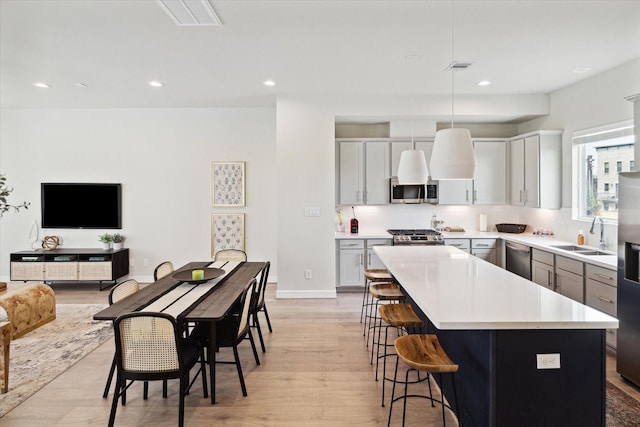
(528, 356)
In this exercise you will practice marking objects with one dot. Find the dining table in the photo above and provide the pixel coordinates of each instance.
(189, 301)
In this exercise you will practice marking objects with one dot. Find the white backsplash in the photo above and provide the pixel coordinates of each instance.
(378, 218)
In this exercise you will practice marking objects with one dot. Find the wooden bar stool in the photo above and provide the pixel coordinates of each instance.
(381, 292)
(399, 316)
(372, 275)
(423, 353)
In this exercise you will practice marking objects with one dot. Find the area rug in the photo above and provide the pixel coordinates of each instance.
(41, 355)
(622, 409)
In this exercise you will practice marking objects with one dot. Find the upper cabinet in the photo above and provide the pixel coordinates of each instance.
(364, 169)
(489, 186)
(536, 170)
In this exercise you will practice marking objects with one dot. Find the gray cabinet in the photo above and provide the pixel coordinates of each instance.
(354, 256)
(542, 268)
(364, 169)
(536, 170)
(485, 249)
(570, 278)
(601, 293)
(462, 244)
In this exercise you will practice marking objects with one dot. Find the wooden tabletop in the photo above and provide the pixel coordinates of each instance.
(213, 307)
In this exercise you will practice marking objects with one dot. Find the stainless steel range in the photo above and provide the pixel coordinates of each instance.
(416, 237)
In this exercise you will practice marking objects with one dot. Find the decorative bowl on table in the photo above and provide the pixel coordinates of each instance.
(198, 275)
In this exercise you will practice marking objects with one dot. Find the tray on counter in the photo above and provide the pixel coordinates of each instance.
(511, 228)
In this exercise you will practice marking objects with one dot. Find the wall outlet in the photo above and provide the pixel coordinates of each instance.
(548, 361)
(132, 262)
(307, 274)
(146, 262)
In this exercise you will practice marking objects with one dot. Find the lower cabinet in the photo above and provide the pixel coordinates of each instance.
(601, 293)
(354, 256)
(462, 244)
(542, 268)
(485, 249)
(570, 278)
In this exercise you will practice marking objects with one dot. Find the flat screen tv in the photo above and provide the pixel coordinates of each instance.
(81, 205)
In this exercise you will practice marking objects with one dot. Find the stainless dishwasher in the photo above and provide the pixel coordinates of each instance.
(518, 259)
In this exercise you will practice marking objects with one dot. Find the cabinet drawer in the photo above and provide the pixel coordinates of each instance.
(61, 271)
(542, 256)
(569, 264)
(351, 244)
(27, 271)
(601, 274)
(378, 242)
(94, 271)
(462, 244)
(601, 296)
(483, 243)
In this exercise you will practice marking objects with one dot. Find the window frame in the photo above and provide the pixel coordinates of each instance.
(618, 133)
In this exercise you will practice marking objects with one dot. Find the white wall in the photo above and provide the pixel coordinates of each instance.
(163, 159)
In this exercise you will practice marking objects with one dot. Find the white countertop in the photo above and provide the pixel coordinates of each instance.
(539, 242)
(459, 291)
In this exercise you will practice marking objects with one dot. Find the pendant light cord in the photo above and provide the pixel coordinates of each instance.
(452, 61)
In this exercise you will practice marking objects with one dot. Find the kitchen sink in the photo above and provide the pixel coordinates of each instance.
(572, 248)
(582, 250)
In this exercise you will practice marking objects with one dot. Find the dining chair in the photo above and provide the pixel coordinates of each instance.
(230, 255)
(259, 304)
(162, 270)
(150, 347)
(231, 331)
(117, 293)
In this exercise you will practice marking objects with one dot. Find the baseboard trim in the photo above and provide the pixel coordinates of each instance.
(306, 294)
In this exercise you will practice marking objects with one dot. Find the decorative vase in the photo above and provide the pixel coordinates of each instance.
(117, 245)
(106, 245)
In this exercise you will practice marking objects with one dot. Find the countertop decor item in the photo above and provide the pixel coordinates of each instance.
(191, 275)
(511, 228)
(50, 242)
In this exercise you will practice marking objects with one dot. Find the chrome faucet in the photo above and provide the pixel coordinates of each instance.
(603, 242)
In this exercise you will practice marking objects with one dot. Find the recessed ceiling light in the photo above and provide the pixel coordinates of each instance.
(581, 70)
(42, 85)
(269, 83)
(411, 57)
(156, 83)
(483, 83)
(80, 84)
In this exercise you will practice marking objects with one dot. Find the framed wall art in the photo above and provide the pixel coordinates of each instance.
(227, 183)
(227, 232)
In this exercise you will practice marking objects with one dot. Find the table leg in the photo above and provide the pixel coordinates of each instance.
(211, 352)
(5, 342)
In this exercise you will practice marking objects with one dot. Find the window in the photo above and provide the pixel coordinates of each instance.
(632, 165)
(596, 192)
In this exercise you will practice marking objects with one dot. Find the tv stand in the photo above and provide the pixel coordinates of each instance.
(69, 265)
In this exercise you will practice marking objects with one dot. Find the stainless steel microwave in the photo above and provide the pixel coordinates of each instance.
(413, 193)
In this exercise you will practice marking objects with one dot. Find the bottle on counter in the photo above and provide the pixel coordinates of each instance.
(580, 237)
(354, 222)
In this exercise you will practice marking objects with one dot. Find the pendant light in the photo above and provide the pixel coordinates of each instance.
(452, 156)
(412, 168)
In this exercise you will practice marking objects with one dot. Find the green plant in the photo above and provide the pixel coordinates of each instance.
(5, 191)
(105, 238)
(118, 238)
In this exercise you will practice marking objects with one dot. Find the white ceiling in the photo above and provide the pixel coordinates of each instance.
(308, 47)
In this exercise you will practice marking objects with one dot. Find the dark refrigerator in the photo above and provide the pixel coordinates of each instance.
(628, 345)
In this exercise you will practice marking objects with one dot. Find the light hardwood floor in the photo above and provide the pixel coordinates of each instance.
(316, 372)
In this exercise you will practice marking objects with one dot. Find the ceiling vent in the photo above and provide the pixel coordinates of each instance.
(191, 12)
(458, 66)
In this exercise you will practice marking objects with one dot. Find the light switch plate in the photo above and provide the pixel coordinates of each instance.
(312, 211)
(548, 361)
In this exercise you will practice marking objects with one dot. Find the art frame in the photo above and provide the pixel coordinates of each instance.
(228, 184)
(227, 232)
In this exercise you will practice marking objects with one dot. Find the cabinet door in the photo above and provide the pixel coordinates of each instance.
(351, 168)
(542, 274)
(532, 171)
(455, 192)
(516, 157)
(377, 167)
(488, 255)
(397, 147)
(373, 261)
(490, 180)
(352, 267)
(426, 147)
(570, 285)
